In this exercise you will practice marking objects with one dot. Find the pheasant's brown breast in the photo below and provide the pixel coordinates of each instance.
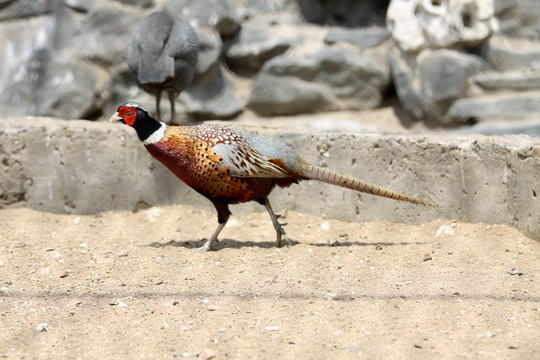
(197, 164)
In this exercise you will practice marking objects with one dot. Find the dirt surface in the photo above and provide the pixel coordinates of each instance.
(131, 285)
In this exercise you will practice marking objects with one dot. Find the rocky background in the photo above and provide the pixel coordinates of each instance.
(450, 63)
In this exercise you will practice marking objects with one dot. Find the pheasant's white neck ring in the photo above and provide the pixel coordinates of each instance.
(156, 136)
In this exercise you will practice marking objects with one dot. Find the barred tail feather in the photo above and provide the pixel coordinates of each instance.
(349, 182)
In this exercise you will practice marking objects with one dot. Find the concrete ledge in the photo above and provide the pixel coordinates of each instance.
(87, 167)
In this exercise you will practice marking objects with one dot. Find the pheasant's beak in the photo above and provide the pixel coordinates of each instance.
(116, 117)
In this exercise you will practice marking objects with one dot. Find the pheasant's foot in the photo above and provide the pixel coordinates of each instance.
(281, 236)
(206, 246)
(213, 239)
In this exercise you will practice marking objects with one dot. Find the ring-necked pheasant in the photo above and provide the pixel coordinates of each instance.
(230, 166)
(163, 52)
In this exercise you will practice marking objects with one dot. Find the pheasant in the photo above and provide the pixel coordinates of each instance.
(230, 166)
(163, 52)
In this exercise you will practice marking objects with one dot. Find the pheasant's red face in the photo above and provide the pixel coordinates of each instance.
(128, 114)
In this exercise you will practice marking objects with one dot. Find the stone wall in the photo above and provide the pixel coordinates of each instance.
(87, 167)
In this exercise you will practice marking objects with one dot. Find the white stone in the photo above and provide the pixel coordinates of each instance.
(419, 24)
(445, 230)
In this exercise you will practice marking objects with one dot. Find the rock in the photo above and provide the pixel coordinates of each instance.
(105, 33)
(43, 328)
(489, 334)
(72, 89)
(512, 106)
(443, 77)
(211, 96)
(510, 80)
(61, 86)
(445, 230)
(405, 84)
(443, 74)
(333, 78)
(122, 253)
(221, 15)
(118, 303)
(271, 328)
(404, 25)
(26, 8)
(519, 18)
(251, 8)
(363, 38)
(208, 354)
(252, 46)
(211, 47)
(529, 127)
(350, 13)
(505, 54)
(433, 81)
(80, 5)
(514, 271)
(419, 24)
(139, 3)
(26, 60)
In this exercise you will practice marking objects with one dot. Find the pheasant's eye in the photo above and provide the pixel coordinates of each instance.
(129, 112)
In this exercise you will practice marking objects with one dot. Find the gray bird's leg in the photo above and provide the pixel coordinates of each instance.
(172, 97)
(158, 99)
(277, 226)
(223, 216)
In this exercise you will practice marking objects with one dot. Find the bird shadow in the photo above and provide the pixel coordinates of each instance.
(228, 243)
(223, 244)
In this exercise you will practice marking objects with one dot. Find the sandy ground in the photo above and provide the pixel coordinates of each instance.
(131, 286)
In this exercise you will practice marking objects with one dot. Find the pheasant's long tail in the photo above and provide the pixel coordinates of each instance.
(349, 182)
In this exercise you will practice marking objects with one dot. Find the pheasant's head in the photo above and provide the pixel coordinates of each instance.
(135, 115)
(129, 113)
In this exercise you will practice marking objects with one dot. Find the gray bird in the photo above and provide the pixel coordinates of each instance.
(163, 53)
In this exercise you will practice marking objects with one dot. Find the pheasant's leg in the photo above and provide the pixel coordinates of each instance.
(208, 244)
(158, 99)
(279, 227)
(223, 216)
(172, 97)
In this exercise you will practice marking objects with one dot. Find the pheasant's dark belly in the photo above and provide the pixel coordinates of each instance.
(212, 181)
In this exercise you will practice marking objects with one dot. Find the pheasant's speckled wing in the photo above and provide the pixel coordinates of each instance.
(244, 161)
(246, 154)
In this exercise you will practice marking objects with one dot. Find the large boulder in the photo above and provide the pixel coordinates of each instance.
(507, 105)
(519, 18)
(39, 76)
(212, 94)
(349, 13)
(505, 53)
(27, 8)
(252, 46)
(251, 8)
(510, 80)
(105, 33)
(420, 24)
(363, 38)
(334, 78)
(434, 81)
(220, 15)
(58, 86)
